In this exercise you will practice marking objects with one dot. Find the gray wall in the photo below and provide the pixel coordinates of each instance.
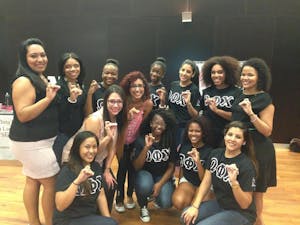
(136, 31)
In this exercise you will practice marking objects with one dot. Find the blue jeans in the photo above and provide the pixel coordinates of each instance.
(210, 213)
(144, 182)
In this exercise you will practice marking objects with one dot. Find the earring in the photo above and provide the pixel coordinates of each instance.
(244, 143)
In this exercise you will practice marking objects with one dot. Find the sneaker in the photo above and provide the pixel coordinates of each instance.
(156, 205)
(130, 204)
(119, 207)
(144, 214)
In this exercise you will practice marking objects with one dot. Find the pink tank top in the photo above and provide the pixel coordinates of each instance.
(133, 127)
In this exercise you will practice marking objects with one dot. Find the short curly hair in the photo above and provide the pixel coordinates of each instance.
(130, 78)
(230, 65)
(263, 71)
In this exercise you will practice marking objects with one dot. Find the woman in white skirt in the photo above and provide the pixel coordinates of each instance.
(34, 128)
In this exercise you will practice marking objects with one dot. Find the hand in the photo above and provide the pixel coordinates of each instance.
(84, 174)
(51, 91)
(156, 190)
(110, 128)
(186, 96)
(75, 91)
(109, 179)
(132, 112)
(246, 106)
(149, 139)
(190, 215)
(232, 171)
(94, 86)
(162, 92)
(195, 154)
(212, 104)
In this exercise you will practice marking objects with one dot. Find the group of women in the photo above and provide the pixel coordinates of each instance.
(66, 137)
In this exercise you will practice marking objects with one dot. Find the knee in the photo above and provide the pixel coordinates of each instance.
(179, 201)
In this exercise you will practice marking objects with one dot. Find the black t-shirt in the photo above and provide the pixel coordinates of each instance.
(158, 158)
(177, 103)
(98, 97)
(224, 100)
(81, 205)
(220, 180)
(188, 165)
(154, 96)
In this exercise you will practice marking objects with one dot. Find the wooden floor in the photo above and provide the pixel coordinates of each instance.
(282, 204)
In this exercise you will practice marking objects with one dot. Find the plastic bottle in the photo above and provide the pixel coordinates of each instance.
(7, 99)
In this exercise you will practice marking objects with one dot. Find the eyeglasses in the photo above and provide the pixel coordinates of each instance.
(114, 101)
(137, 86)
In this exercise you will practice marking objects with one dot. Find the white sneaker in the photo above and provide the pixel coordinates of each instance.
(130, 205)
(119, 207)
(144, 214)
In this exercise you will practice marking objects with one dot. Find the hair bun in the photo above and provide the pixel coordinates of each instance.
(161, 59)
(113, 61)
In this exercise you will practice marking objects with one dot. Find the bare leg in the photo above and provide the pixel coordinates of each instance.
(258, 197)
(31, 200)
(183, 195)
(48, 198)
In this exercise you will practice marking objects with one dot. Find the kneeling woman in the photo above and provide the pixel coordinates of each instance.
(79, 184)
(154, 160)
(232, 173)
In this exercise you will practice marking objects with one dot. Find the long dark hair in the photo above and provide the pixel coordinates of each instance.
(23, 67)
(167, 138)
(248, 147)
(62, 62)
(75, 163)
(121, 117)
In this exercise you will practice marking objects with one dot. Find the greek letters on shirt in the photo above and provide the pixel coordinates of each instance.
(158, 155)
(99, 103)
(155, 99)
(188, 163)
(222, 101)
(96, 184)
(219, 169)
(176, 98)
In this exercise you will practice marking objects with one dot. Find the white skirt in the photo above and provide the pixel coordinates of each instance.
(37, 158)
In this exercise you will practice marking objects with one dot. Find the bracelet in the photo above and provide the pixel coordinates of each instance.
(75, 183)
(71, 101)
(255, 118)
(234, 186)
(194, 206)
(251, 114)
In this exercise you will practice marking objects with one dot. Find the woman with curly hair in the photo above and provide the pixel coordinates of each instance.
(154, 159)
(220, 75)
(139, 105)
(255, 108)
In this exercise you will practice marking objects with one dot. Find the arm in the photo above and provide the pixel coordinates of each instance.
(109, 179)
(243, 198)
(88, 107)
(63, 199)
(148, 105)
(102, 204)
(196, 157)
(139, 162)
(187, 98)
(23, 96)
(167, 175)
(190, 215)
(264, 122)
(213, 107)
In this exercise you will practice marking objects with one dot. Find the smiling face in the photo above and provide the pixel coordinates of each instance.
(36, 58)
(72, 69)
(185, 74)
(114, 104)
(218, 76)
(234, 139)
(195, 134)
(156, 73)
(249, 78)
(109, 74)
(157, 125)
(88, 150)
(137, 89)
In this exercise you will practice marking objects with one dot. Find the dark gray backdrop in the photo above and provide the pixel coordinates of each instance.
(137, 31)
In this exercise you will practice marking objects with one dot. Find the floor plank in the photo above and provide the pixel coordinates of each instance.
(282, 203)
